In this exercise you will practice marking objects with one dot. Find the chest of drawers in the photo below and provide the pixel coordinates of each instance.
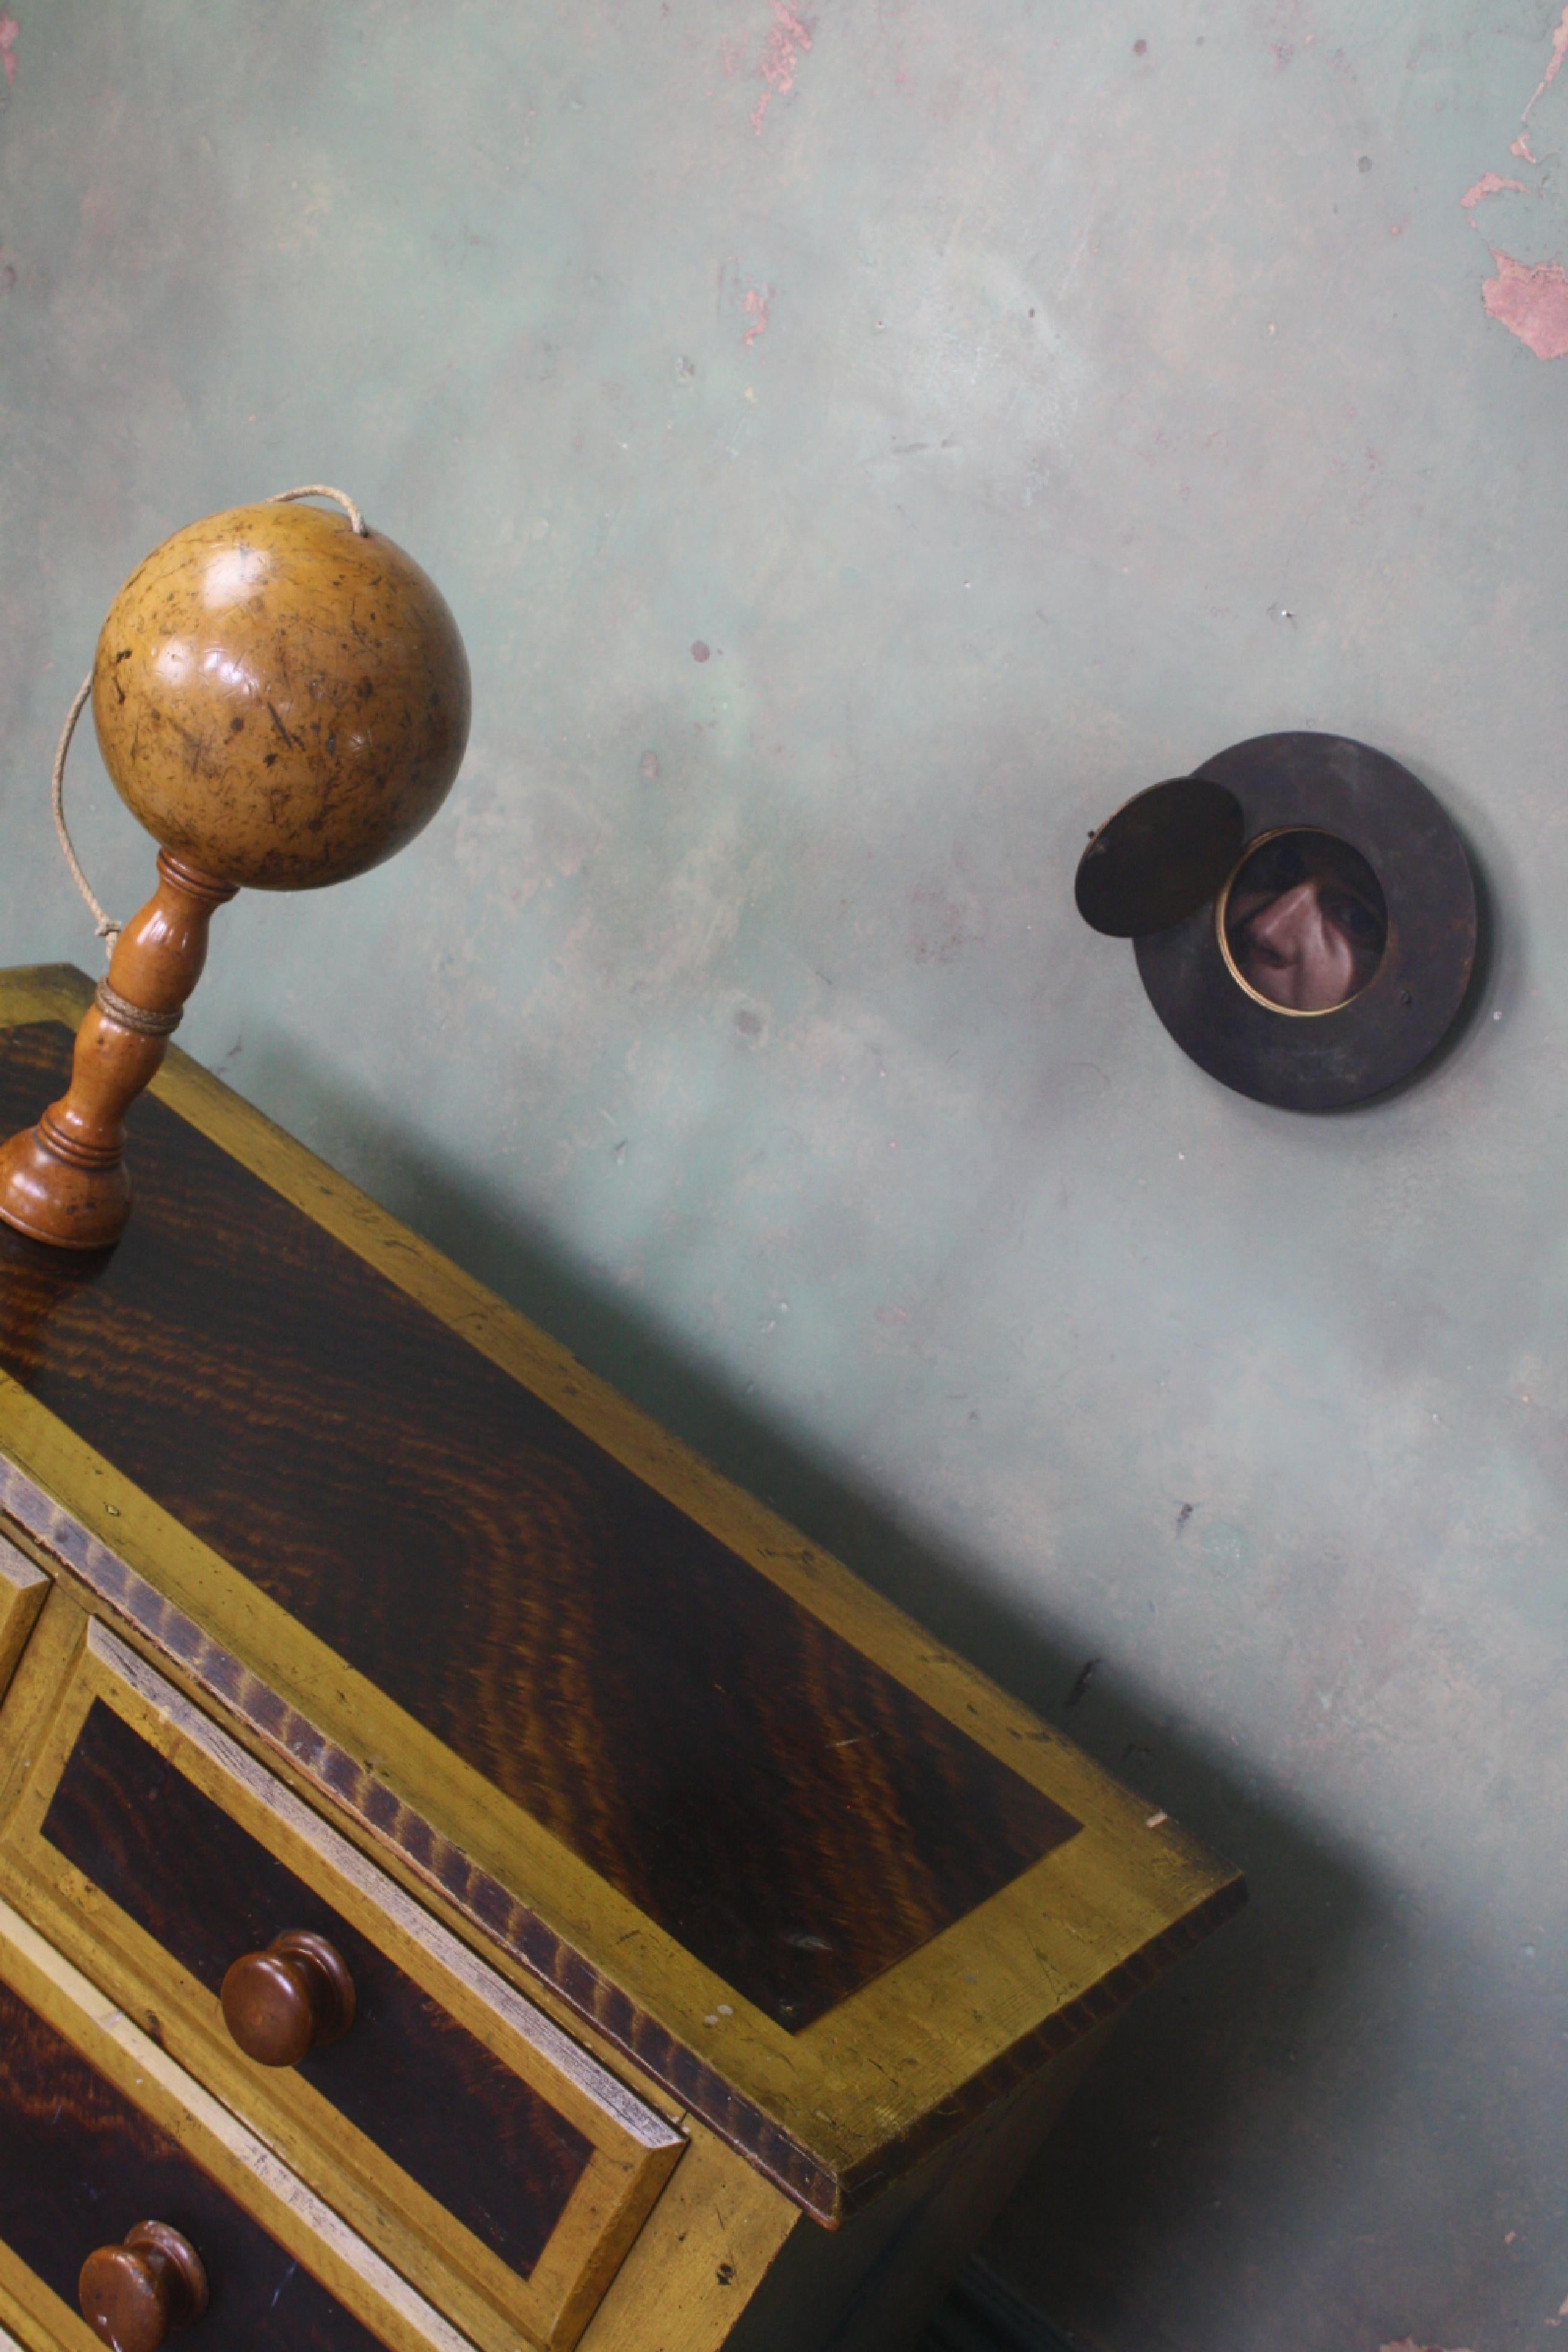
(470, 1872)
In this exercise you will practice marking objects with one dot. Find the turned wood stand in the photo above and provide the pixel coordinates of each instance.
(467, 1874)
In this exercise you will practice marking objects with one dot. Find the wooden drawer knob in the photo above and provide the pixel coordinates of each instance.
(281, 2004)
(135, 2295)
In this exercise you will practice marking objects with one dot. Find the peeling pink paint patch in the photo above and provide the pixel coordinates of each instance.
(1409, 2344)
(9, 30)
(786, 44)
(1554, 66)
(1531, 303)
(754, 302)
(1488, 185)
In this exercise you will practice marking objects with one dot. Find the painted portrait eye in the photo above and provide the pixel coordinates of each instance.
(1274, 868)
(1359, 922)
(1287, 866)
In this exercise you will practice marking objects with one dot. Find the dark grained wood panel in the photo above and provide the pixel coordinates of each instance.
(772, 1798)
(831, 2190)
(482, 2142)
(79, 2166)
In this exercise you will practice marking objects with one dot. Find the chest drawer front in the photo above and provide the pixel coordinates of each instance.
(494, 2162)
(99, 2131)
(427, 2092)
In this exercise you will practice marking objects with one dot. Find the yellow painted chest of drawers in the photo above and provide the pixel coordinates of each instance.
(466, 1869)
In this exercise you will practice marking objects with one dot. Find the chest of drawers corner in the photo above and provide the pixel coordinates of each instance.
(468, 1872)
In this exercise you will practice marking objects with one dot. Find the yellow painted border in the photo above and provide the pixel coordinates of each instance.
(23, 1591)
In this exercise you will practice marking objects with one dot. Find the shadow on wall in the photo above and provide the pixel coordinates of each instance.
(984, 2314)
(1123, 2182)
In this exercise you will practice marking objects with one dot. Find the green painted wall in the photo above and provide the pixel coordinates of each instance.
(1018, 401)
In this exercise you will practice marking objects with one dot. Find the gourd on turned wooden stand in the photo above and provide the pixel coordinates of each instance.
(281, 697)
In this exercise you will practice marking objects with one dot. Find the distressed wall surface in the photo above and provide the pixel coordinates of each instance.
(862, 445)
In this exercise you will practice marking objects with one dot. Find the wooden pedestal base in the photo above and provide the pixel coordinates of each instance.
(64, 1181)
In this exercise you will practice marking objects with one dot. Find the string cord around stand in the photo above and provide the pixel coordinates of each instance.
(107, 929)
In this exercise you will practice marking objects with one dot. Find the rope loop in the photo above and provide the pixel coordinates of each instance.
(108, 930)
(322, 490)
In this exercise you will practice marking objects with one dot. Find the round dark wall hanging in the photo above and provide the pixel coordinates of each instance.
(1304, 914)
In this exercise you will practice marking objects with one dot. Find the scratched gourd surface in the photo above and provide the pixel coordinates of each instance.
(79, 2166)
(488, 2148)
(278, 700)
(769, 1796)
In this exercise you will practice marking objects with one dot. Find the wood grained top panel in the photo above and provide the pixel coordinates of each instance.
(775, 1800)
(79, 2166)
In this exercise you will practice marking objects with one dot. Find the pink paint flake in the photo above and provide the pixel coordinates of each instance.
(787, 42)
(754, 302)
(9, 29)
(1531, 303)
(1554, 64)
(1488, 185)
